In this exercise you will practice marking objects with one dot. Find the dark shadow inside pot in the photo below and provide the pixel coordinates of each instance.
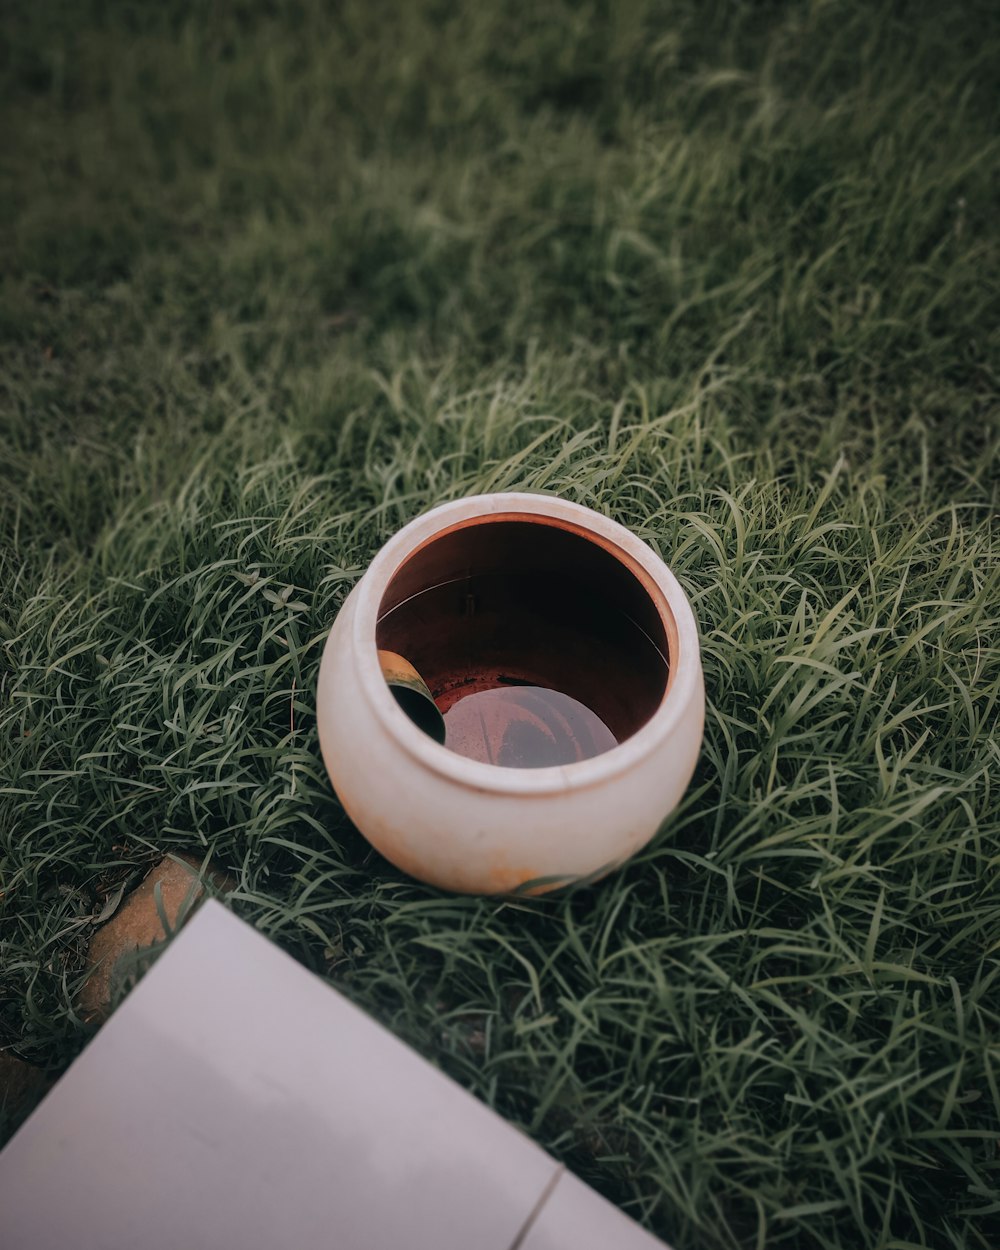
(539, 644)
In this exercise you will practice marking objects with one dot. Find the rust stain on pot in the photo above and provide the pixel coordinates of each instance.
(540, 522)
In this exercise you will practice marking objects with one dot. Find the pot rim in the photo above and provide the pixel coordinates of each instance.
(657, 580)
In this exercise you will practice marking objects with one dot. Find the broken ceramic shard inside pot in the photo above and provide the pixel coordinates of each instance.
(411, 693)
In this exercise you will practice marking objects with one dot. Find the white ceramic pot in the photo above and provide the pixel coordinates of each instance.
(518, 595)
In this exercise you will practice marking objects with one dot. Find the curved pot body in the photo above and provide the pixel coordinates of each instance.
(474, 826)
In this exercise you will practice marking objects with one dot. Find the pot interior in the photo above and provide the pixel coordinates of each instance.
(539, 645)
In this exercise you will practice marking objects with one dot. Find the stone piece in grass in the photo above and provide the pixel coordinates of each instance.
(170, 891)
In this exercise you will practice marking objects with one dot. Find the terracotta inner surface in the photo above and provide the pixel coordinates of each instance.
(539, 645)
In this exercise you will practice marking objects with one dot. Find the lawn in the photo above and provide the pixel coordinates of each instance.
(276, 279)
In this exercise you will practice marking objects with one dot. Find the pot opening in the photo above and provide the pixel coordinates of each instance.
(539, 646)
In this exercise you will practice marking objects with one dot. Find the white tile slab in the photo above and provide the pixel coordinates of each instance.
(237, 1102)
(576, 1218)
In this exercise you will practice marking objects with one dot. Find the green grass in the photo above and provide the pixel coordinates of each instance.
(274, 281)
